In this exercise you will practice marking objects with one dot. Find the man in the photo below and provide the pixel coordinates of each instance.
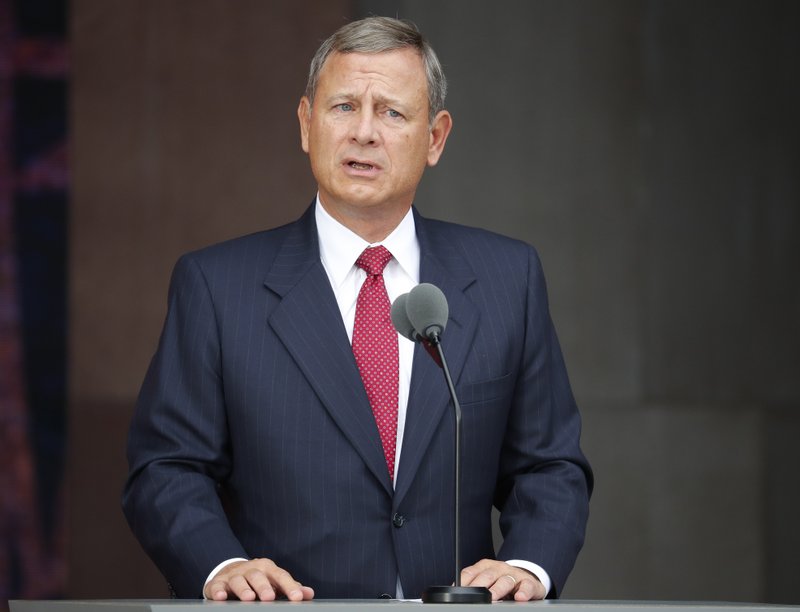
(333, 453)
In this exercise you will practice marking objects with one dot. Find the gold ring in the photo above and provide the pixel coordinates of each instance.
(514, 580)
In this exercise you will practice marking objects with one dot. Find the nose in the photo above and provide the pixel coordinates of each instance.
(365, 128)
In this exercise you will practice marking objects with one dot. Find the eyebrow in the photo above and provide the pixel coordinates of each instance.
(388, 101)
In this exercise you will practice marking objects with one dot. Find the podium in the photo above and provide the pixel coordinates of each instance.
(323, 605)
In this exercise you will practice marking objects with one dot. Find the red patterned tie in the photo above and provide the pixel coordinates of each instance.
(375, 348)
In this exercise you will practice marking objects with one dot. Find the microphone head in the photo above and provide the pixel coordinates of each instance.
(400, 318)
(427, 310)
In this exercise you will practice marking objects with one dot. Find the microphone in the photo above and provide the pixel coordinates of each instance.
(421, 315)
(427, 310)
(400, 318)
(434, 318)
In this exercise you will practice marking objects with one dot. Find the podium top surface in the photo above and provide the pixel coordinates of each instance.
(322, 605)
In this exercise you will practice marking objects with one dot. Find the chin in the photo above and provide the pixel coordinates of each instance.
(362, 198)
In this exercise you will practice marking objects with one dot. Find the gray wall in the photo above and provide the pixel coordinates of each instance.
(651, 152)
(648, 149)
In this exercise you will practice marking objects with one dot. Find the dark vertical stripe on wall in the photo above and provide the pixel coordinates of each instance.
(33, 315)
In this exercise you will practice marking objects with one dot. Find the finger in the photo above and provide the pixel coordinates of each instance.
(478, 579)
(308, 592)
(529, 590)
(284, 583)
(240, 587)
(261, 585)
(470, 573)
(216, 590)
(483, 573)
(502, 586)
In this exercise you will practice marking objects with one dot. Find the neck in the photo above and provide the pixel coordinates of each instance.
(372, 226)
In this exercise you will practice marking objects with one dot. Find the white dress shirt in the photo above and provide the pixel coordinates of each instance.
(339, 248)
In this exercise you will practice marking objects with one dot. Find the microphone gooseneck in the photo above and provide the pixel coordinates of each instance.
(421, 315)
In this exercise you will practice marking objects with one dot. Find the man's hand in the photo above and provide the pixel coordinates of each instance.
(503, 580)
(258, 579)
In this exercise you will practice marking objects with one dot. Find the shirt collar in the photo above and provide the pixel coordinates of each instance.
(339, 247)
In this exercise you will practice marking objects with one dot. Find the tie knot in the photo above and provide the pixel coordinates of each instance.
(373, 260)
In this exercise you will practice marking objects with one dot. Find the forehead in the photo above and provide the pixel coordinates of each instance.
(400, 71)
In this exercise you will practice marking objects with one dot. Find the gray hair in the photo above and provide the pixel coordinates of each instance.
(376, 35)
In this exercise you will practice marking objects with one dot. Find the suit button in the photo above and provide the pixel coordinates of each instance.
(398, 520)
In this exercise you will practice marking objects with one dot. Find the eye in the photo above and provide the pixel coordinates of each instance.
(344, 107)
(394, 114)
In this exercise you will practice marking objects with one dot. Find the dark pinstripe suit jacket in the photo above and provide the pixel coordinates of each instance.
(253, 436)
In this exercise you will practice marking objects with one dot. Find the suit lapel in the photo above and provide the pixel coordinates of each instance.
(309, 323)
(429, 399)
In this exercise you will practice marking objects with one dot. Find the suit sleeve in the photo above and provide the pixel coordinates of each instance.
(545, 481)
(178, 444)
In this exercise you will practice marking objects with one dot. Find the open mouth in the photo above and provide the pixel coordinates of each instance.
(360, 166)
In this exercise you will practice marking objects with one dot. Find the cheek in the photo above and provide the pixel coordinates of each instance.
(323, 150)
(324, 135)
(415, 154)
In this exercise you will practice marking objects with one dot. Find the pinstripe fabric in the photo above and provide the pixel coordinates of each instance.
(254, 398)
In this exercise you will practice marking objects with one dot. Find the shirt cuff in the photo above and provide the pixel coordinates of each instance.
(536, 570)
(217, 569)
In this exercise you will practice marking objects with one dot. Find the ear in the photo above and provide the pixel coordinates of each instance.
(304, 115)
(442, 124)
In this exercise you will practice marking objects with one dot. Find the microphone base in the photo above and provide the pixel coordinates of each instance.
(457, 595)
